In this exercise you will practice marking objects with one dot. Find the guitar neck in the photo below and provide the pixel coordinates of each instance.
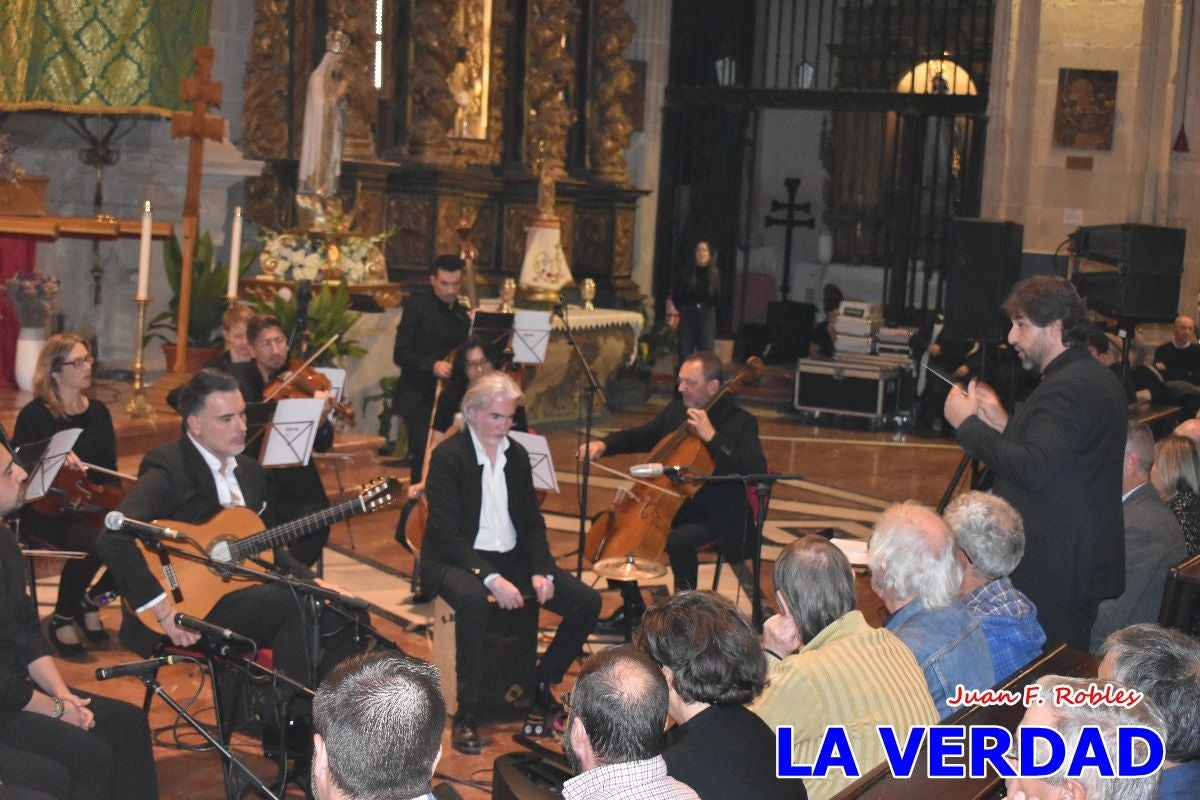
(297, 529)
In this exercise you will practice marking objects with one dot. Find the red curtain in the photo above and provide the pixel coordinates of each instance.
(17, 254)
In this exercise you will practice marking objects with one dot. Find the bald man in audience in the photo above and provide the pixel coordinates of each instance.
(916, 573)
(1179, 359)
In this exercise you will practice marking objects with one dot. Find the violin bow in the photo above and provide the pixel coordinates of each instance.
(283, 384)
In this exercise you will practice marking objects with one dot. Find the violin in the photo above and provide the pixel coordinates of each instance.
(304, 381)
(73, 491)
(639, 520)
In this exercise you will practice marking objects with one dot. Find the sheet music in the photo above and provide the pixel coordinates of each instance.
(292, 431)
(337, 379)
(531, 335)
(539, 459)
(43, 474)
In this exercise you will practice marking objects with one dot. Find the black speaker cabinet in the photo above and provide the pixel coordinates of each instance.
(984, 262)
(1137, 296)
(789, 328)
(1133, 249)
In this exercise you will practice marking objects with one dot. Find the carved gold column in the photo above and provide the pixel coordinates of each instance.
(549, 77)
(264, 116)
(611, 126)
(434, 52)
(356, 18)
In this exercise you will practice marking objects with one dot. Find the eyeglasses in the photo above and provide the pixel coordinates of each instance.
(79, 362)
(278, 341)
(481, 363)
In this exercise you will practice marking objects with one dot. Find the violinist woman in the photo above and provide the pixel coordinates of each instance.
(292, 491)
(62, 375)
(696, 291)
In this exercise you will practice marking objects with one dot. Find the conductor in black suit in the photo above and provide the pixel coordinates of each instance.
(433, 324)
(190, 481)
(486, 537)
(1056, 459)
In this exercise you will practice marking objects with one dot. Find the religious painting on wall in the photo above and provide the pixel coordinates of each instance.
(1085, 109)
(470, 78)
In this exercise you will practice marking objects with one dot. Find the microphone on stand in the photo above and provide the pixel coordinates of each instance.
(116, 521)
(215, 633)
(655, 470)
(137, 667)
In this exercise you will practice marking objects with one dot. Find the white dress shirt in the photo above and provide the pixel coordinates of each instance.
(496, 531)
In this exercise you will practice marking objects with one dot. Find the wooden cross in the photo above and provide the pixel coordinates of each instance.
(196, 125)
(791, 206)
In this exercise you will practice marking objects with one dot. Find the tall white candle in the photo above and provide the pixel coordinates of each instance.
(235, 253)
(143, 282)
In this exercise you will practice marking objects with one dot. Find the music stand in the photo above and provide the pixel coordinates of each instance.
(762, 483)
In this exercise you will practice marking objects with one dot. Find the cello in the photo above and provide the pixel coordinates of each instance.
(639, 520)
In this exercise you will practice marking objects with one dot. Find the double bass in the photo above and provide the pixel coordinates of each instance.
(639, 520)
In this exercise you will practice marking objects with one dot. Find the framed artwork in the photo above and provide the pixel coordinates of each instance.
(1085, 108)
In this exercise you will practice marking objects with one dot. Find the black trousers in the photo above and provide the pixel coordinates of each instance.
(112, 760)
(1070, 623)
(577, 604)
(686, 538)
(416, 422)
(274, 617)
(66, 532)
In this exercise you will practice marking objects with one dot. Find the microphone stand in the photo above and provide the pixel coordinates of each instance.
(591, 391)
(762, 483)
(231, 761)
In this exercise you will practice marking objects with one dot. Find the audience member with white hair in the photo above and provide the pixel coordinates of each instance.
(916, 573)
(1165, 665)
(991, 541)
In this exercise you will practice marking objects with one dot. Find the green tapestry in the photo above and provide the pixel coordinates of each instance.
(98, 56)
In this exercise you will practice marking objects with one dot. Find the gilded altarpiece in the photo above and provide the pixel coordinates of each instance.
(477, 97)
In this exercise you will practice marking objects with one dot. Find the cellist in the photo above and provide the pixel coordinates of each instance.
(720, 512)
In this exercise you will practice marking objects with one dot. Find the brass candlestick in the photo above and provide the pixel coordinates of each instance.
(138, 407)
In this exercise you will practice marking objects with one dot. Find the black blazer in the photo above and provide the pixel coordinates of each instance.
(1059, 463)
(455, 491)
(173, 483)
(429, 331)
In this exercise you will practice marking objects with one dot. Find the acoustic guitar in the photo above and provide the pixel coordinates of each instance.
(192, 569)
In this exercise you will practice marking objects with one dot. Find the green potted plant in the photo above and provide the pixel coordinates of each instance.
(209, 283)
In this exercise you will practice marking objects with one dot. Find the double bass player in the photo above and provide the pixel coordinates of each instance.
(719, 512)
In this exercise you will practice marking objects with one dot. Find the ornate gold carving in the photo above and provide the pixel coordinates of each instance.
(264, 116)
(609, 135)
(593, 240)
(262, 198)
(549, 79)
(412, 217)
(484, 235)
(449, 210)
(622, 255)
(356, 18)
(434, 56)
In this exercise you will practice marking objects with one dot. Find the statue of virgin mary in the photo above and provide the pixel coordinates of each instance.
(323, 136)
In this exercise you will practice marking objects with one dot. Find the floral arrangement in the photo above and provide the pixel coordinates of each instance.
(33, 295)
(324, 256)
(10, 170)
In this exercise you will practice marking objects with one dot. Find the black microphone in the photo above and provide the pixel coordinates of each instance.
(137, 667)
(215, 632)
(655, 470)
(116, 521)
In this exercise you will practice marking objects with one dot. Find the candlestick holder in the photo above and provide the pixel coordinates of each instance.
(138, 406)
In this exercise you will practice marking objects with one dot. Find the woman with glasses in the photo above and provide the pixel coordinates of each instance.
(60, 380)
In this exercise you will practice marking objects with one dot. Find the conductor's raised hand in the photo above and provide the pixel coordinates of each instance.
(988, 406)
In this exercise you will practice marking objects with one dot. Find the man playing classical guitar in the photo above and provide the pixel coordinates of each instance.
(720, 512)
(191, 480)
(486, 536)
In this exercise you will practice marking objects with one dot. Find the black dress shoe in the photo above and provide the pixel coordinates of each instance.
(615, 624)
(74, 651)
(94, 635)
(464, 735)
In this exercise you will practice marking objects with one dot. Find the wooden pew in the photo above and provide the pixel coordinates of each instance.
(1160, 419)
(879, 784)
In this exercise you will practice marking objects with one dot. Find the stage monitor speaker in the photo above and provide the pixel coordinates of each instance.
(789, 329)
(1139, 296)
(984, 262)
(510, 653)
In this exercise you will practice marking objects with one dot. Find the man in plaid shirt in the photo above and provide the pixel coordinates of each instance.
(991, 540)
